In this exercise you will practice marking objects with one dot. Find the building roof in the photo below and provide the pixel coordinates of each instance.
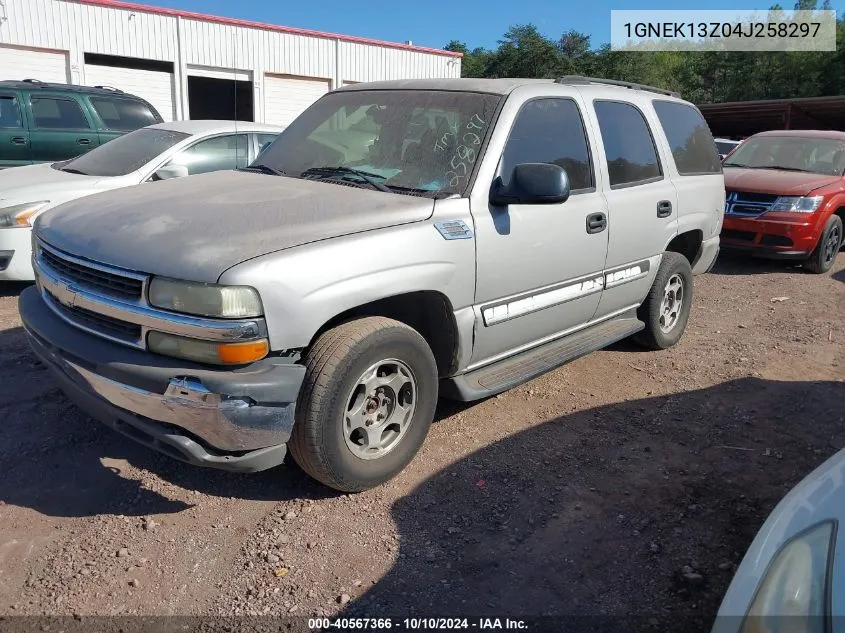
(130, 6)
(744, 118)
(213, 127)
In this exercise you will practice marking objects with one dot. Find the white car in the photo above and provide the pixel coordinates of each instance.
(157, 152)
(725, 146)
(793, 576)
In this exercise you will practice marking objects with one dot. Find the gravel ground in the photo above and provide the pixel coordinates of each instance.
(627, 483)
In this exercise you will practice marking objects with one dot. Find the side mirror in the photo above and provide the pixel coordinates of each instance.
(172, 171)
(532, 183)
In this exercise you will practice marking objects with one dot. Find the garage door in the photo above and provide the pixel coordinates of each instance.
(156, 87)
(30, 63)
(286, 97)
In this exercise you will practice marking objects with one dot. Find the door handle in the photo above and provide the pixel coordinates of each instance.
(596, 223)
(18, 140)
(664, 209)
(83, 141)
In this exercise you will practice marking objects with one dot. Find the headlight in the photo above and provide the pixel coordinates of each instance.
(795, 585)
(212, 300)
(20, 215)
(207, 351)
(797, 204)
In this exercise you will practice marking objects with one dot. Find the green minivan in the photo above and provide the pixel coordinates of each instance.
(45, 122)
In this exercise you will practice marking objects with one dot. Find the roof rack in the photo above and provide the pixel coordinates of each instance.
(109, 88)
(33, 81)
(578, 79)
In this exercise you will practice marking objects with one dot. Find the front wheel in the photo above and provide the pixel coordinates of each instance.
(828, 247)
(366, 404)
(666, 309)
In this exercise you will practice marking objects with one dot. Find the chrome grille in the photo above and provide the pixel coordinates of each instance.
(748, 203)
(92, 276)
(97, 323)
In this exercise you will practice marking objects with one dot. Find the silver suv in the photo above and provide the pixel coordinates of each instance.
(398, 241)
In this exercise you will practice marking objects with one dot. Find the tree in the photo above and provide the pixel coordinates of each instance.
(701, 76)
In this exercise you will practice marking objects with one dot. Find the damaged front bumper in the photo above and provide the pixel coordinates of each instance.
(230, 419)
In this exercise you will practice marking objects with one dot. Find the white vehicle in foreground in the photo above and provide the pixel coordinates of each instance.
(793, 576)
(157, 152)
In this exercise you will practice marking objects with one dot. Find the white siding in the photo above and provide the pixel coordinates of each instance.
(360, 62)
(286, 97)
(27, 63)
(79, 27)
(156, 87)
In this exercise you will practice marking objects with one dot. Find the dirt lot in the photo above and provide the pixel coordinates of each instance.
(586, 491)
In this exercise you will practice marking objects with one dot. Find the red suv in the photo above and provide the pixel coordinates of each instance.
(785, 196)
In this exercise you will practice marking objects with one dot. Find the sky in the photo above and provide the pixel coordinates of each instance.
(433, 23)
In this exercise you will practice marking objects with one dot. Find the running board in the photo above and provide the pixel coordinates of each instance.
(512, 371)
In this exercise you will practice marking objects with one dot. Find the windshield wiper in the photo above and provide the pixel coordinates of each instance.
(264, 169)
(785, 168)
(342, 171)
(781, 167)
(73, 171)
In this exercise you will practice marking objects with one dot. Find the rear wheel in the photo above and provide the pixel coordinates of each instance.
(666, 309)
(367, 403)
(828, 247)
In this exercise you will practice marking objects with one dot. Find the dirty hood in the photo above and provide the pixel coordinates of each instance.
(196, 228)
(775, 181)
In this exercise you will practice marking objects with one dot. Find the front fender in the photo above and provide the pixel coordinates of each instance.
(305, 287)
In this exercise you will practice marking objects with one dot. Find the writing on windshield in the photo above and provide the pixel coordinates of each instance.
(415, 141)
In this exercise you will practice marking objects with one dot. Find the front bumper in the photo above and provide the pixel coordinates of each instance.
(770, 238)
(231, 419)
(16, 254)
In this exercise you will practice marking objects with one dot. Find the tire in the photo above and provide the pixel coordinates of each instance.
(826, 250)
(338, 437)
(659, 333)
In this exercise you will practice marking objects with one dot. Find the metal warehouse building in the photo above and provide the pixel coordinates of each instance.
(196, 66)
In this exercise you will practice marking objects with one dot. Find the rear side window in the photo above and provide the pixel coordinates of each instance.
(123, 115)
(10, 113)
(693, 147)
(628, 145)
(56, 113)
(550, 131)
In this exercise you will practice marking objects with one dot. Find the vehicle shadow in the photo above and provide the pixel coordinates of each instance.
(13, 288)
(738, 264)
(592, 517)
(56, 460)
(59, 462)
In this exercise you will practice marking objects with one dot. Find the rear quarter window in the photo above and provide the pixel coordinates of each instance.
(123, 115)
(693, 147)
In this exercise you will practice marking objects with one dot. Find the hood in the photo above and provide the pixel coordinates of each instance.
(41, 182)
(775, 181)
(196, 228)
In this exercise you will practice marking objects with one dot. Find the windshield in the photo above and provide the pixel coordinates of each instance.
(124, 154)
(791, 153)
(724, 147)
(405, 141)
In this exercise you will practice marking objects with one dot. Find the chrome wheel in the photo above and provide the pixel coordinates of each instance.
(672, 303)
(832, 244)
(379, 409)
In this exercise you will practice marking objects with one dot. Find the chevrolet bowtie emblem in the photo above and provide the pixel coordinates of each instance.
(66, 294)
